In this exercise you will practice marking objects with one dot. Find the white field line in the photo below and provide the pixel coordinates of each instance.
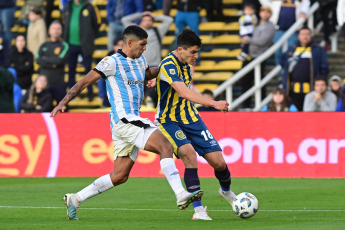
(164, 210)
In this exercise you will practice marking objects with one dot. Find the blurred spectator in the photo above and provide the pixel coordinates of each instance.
(154, 42)
(255, 3)
(4, 51)
(102, 92)
(37, 32)
(208, 94)
(188, 15)
(7, 9)
(335, 84)
(27, 7)
(321, 99)
(280, 103)
(22, 60)
(156, 34)
(38, 99)
(214, 10)
(301, 64)
(285, 13)
(6, 91)
(329, 18)
(116, 9)
(260, 41)
(82, 21)
(247, 22)
(117, 44)
(52, 57)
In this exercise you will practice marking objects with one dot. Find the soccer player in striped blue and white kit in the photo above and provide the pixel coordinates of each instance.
(181, 123)
(124, 73)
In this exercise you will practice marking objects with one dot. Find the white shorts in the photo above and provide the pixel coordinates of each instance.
(131, 135)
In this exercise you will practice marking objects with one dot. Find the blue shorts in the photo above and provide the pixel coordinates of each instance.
(196, 133)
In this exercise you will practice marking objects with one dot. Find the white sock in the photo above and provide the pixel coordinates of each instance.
(171, 173)
(97, 187)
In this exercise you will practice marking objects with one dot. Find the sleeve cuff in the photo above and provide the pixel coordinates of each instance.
(100, 73)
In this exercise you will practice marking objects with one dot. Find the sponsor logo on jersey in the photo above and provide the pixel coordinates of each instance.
(131, 82)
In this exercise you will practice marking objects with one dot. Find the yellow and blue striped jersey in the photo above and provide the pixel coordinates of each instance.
(171, 106)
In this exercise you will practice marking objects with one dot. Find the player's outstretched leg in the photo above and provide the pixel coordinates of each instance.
(222, 173)
(73, 201)
(158, 143)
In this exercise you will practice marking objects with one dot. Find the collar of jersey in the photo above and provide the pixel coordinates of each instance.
(178, 61)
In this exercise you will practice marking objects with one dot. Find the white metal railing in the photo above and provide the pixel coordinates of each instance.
(255, 64)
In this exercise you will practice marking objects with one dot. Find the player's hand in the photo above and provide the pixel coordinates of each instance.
(151, 83)
(59, 108)
(221, 105)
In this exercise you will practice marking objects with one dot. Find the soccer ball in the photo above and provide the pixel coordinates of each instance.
(245, 205)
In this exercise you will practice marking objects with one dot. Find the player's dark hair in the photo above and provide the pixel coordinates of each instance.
(188, 38)
(136, 31)
(320, 78)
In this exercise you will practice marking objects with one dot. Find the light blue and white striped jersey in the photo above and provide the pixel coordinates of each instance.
(124, 79)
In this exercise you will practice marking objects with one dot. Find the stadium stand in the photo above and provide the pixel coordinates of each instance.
(221, 46)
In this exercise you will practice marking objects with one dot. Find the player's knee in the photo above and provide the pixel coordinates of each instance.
(166, 150)
(189, 159)
(219, 166)
(123, 179)
(118, 179)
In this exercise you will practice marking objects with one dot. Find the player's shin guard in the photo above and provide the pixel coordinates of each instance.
(191, 179)
(224, 178)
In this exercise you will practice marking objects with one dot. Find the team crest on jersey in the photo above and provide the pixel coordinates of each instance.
(172, 71)
(57, 50)
(180, 135)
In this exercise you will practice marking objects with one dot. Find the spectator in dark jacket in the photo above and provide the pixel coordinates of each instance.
(21, 59)
(52, 58)
(38, 99)
(6, 91)
(82, 21)
(301, 64)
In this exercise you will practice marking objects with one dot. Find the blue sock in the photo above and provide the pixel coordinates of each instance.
(197, 204)
(224, 178)
(191, 179)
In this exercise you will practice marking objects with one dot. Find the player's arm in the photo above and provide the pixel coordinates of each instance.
(90, 78)
(195, 97)
(151, 73)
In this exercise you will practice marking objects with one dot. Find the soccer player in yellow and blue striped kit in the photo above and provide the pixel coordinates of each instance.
(181, 123)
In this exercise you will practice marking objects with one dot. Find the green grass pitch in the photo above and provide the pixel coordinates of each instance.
(149, 203)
